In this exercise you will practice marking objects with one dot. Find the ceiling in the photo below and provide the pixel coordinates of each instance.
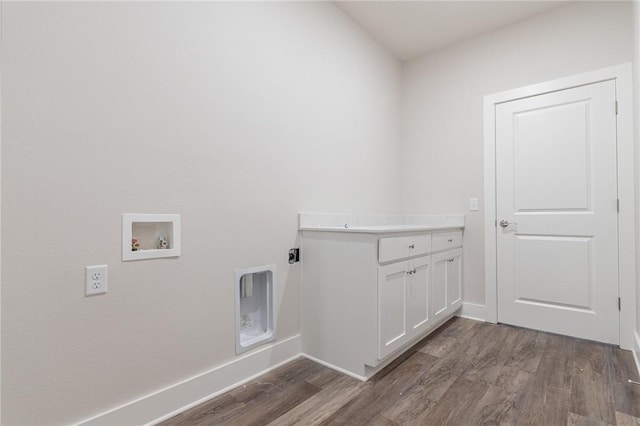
(412, 28)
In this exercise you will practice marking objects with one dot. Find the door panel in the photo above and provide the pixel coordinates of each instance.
(392, 307)
(541, 278)
(439, 264)
(542, 153)
(556, 187)
(418, 295)
(454, 279)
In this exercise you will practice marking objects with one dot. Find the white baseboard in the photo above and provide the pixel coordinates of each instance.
(473, 311)
(636, 350)
(174, 399)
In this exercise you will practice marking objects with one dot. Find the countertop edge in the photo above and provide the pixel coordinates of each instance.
(380, 230)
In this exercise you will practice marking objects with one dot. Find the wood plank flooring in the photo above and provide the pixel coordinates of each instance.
(465, 373)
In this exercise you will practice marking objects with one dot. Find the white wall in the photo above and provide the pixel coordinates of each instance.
(442, 145)
(235, 115)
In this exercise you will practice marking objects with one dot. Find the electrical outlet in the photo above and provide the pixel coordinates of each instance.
(294, 255)
(95, 280)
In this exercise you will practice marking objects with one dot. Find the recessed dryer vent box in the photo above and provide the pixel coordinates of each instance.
(255, 307)
(150, 236)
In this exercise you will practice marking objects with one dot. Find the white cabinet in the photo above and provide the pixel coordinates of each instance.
(403, 303)
(446, 283)
(367, 296)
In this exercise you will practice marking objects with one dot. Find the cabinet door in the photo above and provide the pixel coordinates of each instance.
(392, 307)
(418, 305)
(439, 266)
(454, 279)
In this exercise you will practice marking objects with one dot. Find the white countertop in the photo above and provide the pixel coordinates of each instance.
(377, 224)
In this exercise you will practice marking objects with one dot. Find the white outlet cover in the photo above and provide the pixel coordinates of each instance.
(473, 204)
(95, 280)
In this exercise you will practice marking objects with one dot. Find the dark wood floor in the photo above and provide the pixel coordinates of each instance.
(466, 373)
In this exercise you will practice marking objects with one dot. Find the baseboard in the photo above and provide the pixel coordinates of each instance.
(473, 311)
(174, 399)
(636, 350)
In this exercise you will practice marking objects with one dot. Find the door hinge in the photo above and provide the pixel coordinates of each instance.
(616, 107)
(618, 204)
(495, 223)
(619, 304)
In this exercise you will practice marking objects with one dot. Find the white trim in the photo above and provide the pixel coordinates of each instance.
(473, 311)
(490, 258)
(627, 214)
(336, 368)
(172, 400)
(626, 219)
(636, 351)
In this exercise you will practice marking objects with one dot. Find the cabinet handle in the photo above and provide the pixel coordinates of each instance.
(412, 246)
(450, 240)
(411, 272)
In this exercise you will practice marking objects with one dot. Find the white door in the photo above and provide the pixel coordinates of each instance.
(446, 283)
(418, 295)
(439, 264)
(392, 307)
(454, 280)
(556, 207)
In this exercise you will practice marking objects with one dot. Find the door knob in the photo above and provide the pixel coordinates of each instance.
(505, 223)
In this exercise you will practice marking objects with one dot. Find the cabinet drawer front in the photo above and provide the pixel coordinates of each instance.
(447, 240)
(394, 248)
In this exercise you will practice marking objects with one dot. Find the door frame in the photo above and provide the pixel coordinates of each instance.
(622, 74)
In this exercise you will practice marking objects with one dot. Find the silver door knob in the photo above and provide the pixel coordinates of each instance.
(505, 223)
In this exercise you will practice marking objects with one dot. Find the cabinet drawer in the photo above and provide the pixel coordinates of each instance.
(394, 248)
(447, 240)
